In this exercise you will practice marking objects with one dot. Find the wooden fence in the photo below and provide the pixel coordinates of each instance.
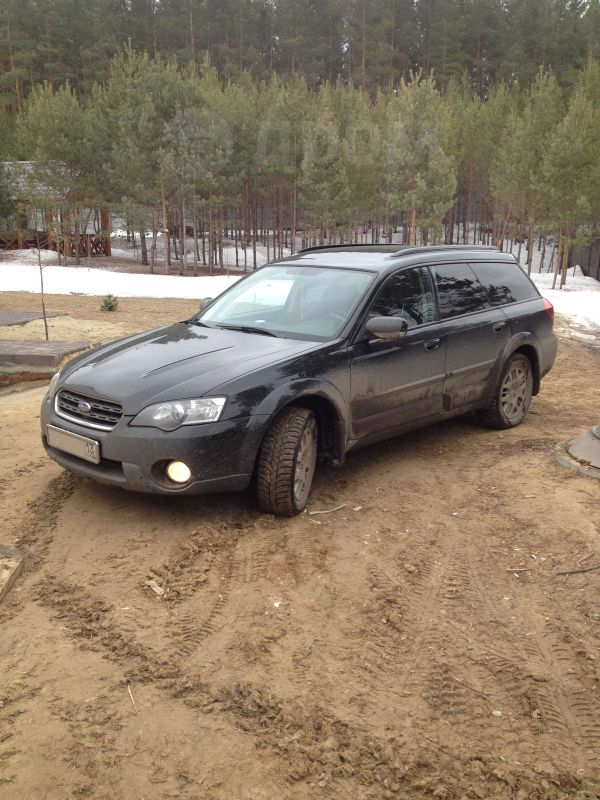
(89, 244)
(588, 258)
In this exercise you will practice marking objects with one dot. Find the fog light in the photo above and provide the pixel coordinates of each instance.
(178, 472)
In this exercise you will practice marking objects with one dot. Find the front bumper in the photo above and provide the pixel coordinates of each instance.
(221, 455)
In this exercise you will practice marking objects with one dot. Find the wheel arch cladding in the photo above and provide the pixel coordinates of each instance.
(330, 424)
(322, 397)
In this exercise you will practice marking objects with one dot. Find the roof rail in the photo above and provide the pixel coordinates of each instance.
(442, 247)
(398, 250)
(350, 246)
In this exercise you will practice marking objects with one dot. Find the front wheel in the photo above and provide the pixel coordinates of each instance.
(287, 461)
(513, 394)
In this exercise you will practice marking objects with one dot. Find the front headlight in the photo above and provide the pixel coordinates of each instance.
(171, 415)
(53, 385)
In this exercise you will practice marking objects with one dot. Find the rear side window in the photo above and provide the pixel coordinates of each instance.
(459, 291)
(504, 283)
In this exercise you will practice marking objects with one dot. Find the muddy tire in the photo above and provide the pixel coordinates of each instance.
(286, 463)
(513, 394)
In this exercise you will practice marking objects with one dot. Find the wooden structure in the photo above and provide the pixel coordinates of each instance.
(59, 229)
(588, 258)
(88, 244)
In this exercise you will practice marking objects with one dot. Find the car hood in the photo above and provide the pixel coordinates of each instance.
(174, 363)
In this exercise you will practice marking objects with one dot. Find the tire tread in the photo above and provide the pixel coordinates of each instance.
(276, 462)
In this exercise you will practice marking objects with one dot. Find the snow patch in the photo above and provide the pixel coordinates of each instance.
(579, 299)
(100, 282)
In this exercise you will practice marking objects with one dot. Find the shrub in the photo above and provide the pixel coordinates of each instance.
(110, 303)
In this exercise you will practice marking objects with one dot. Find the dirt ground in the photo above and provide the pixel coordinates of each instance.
(419, 642)
(82, 318)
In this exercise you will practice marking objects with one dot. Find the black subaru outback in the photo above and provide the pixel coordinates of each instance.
(304, 359)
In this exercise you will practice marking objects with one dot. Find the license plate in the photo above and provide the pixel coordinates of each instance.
(73, 443)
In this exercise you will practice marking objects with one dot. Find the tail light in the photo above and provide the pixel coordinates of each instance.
(549, 309)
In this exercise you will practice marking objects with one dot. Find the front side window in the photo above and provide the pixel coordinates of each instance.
(408, 295)
(504, 283)
(459, 291)
(291, 301)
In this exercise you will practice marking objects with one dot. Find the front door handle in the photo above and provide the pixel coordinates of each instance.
(432, 344)
(499, 326)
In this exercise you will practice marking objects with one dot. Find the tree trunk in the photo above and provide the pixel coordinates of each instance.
(77, 236)
(413, 227)
(195, 231)
(174, 227)
(42, 296)
(56, 236)
(154, 240)
(266, 232)
(220, 238)
(235, 237)
(558, 258)
(182, 234)
(191, 33)
(11, 56)
(543, 256)
(165, 233)
(520, 243)
(566, 254)
(210, 235)
(529, 249)
(143, 246)
(254, 232)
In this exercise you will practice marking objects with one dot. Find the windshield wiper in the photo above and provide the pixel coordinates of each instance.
(196, 322)
(248, 329)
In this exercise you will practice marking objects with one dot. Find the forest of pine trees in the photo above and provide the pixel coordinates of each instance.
(368, 43)
(261, 122)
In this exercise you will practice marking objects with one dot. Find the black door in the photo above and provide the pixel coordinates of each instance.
(395, 383)
(476, 334)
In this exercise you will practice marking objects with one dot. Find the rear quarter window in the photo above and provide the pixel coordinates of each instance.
(504, 283)
(459, 290)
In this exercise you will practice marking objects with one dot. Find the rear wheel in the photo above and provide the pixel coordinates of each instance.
(287, 461)
(513, 394)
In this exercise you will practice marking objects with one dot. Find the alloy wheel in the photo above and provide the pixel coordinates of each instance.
(515, 392)
(306, 460)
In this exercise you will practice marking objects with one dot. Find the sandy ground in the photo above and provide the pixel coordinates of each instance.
(417, 643)
(83, 318)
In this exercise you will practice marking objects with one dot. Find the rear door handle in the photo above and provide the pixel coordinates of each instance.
(432, 344)
(499, 326)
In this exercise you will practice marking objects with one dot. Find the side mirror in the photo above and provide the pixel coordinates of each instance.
(206, 301)
(387, 327)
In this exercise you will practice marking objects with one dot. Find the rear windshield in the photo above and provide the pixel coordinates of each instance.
(504, 283)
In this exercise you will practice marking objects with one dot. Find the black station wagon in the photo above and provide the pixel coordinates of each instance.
(304, 359)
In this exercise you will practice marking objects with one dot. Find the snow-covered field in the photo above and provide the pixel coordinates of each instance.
(579, 300)
(21, 274)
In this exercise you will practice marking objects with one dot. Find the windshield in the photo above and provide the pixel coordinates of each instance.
(290, 301)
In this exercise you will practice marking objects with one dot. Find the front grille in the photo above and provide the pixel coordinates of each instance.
(102, 413)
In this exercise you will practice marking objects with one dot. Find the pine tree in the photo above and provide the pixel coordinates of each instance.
(140, 97)
(324, 194)
(571, 168)
(54, 132)
(517, 179)
(418, 137)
